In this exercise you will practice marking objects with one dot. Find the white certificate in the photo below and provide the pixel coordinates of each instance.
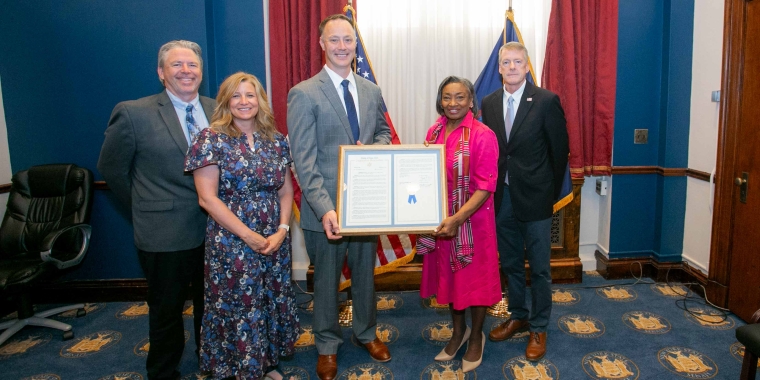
(369, 189)
(416, 189)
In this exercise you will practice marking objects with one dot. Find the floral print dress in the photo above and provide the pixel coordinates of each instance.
(250, 316)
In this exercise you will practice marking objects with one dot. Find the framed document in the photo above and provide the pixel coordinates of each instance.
(386, 189)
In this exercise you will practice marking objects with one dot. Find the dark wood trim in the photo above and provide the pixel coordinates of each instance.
(668, 172)
(98, 185)
(698, 174)
(117, 290)
(639, 267)
(665, 172)
(728, 121)
(101, 185)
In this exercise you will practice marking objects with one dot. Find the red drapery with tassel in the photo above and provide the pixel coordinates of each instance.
(295, 54)
(581, 67)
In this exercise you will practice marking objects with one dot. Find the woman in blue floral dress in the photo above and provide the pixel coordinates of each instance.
(240, 165)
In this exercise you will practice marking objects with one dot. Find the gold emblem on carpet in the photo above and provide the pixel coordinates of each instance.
(143, 347)
(617, 293)
(305, 341)
(294, 373)
(737, 351)
(709, 318)
(123, 376)
(188, 312)
(91, 344)
(565, 297)
(581, 326)
(88, 307)
(447, 370)
(438, 333)
(432, 303)
(385, 332)
(669, 290)
(609, 365)
(23, 343)
(646, 322)
(369, 371)
(687, 363)
(389, 302)
(135, 310)
(520, 368)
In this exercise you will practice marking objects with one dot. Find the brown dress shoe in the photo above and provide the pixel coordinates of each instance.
(327, 367)
(378, 350)
(536, 346)
(507, 329)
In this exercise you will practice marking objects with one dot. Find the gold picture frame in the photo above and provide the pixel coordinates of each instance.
(387, 189)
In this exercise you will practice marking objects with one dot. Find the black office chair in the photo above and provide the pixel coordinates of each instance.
(43, 233)
(749, 336)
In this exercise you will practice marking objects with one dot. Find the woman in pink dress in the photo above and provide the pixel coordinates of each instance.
(461, 266)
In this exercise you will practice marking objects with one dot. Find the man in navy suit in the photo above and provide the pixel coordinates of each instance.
(533, 150)
(143, 161)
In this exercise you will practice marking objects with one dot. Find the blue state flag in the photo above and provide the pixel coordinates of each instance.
(490, 80)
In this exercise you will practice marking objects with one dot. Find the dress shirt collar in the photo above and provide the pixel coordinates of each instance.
(337, 79)
(178, 103)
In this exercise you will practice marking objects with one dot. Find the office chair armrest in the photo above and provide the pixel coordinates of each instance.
(49, 242)
(755, 317)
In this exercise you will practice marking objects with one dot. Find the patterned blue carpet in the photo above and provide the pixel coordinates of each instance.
(621, 331)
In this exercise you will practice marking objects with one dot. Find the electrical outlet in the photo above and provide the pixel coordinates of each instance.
(640, 136)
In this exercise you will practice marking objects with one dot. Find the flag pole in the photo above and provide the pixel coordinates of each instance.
(501, 308)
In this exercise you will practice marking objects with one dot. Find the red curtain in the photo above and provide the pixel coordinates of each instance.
(581, 67)
(295, 54)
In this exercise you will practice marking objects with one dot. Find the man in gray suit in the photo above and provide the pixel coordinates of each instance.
(142, 160)
(322, 115)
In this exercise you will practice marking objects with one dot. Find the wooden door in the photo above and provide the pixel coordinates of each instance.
(735, 254)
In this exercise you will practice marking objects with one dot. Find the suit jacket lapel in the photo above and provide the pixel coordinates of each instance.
(208, 108)
(498, 115)
(331, 93)
(169, 115)
(364, 111)
(523, 109)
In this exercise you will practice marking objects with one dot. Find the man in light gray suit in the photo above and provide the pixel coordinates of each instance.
(142, 161)
(322, 115)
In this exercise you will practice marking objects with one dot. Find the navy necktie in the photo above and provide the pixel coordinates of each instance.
(353, 119)
(190, 123)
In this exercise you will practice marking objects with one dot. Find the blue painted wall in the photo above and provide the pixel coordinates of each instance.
(653, 92)
(65, 65)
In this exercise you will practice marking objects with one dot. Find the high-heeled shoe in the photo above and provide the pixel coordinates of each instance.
(468, 366)
(443, 356)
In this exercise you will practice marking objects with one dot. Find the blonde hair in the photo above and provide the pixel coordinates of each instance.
(222, 122)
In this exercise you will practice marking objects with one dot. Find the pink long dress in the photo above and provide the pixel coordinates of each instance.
(478, 283)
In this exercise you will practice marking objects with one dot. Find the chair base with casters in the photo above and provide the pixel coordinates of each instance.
(749, 336)
(41, 319)
(43, 234)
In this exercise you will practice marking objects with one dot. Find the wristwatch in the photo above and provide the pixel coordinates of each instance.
(285, 226)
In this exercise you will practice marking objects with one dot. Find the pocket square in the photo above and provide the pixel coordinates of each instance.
(529, 99)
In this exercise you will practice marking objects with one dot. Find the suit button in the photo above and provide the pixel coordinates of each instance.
(508, 157)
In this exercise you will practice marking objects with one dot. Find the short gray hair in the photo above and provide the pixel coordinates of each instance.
(513, 45)
(164, 50)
